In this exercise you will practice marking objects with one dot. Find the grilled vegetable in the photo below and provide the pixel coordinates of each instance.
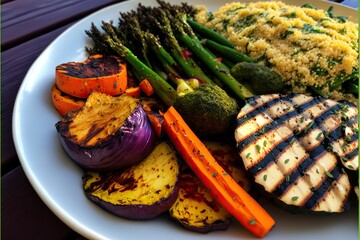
(208, 110)
(63, 102)
(195, 207)
(226, 155)
(142, 191)
(222, 186)
(107, 133)
(106, 74)
(293, 146)
(262, 79)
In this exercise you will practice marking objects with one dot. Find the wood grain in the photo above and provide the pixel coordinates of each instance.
(23, 20)
(24, 215)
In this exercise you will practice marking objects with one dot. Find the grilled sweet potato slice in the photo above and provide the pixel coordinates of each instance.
(63, 103)
(105, 74)
(195, 208)
(142, 191)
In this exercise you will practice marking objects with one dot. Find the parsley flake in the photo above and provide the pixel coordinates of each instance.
(294, 198)
(252, 221)
(329, 174)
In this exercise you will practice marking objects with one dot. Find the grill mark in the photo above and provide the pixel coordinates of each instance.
(310, 141)
(317, 186)
(328, 200)
(351, 160)
(318, 110)
(342, 147)
(300, 171)
(256, 123)
(245, 141)
(273, 148)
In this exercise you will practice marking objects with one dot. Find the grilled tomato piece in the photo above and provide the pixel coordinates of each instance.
(107, 133)
(142, 191)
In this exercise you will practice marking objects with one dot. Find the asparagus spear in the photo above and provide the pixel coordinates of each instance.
(187, 64)
(162, 88)
(168, 62)
(228, 52)
(219, 69)
(210, 34)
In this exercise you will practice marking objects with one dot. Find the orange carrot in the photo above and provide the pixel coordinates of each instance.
(105, 74)
(133, 91)
(156, 122)
(64, 103)
(146, 87)
(222, 186)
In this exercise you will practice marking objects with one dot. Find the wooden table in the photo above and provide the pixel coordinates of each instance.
(27, 28)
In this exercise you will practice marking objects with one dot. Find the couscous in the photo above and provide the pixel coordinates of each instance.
(305, 45)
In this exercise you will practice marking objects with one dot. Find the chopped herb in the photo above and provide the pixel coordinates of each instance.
(287, 178)
(308, 5)
(309, 126)
(287, 108)
(262, 130)
(344, 159)
(302, 119)
(317, 171)
(292, 141)
(294, 198)
(343, 116)
(286, 33)
(350, 166)
(248, 155)
(265, 177)
(225, 174)
(252, 221)
(214, 174)
(264, 143)
(286, 161)
(344, 107)
(258, 148)
(318, 137)
(348, 138)
(308, 28)
(343, 146)
(329, 174)
(326, 136)
(319, 71)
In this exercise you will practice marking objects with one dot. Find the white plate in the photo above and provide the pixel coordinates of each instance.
(57, 179)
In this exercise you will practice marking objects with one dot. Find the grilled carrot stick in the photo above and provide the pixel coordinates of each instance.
(222, 186)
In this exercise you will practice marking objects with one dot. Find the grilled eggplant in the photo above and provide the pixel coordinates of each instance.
(142, 191)
(195, 209)
(296, 147)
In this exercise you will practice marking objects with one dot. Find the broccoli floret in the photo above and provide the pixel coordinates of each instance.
(262, 79)
(208, 110)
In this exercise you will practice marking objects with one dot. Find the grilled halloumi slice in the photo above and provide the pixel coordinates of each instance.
(297, 148)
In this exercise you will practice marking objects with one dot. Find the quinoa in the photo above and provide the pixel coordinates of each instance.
(306, 46)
